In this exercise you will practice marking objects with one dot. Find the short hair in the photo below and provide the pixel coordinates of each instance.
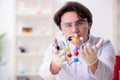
(79, 8)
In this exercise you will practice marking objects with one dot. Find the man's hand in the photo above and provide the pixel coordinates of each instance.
(89, 53)
(60, 58)
(59, 55)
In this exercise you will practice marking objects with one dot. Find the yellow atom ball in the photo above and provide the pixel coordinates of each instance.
(75, 40)
(67, 48)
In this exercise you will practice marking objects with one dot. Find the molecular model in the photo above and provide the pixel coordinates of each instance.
(75, 53)
(71, 55)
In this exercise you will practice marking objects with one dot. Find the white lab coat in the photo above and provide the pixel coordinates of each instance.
(80, 70)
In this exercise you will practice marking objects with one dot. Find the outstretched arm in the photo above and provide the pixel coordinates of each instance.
(89, 54)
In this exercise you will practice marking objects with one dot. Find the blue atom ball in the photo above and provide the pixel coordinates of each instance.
(76, 60)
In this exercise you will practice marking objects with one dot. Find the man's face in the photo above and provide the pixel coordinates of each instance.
(71, 24)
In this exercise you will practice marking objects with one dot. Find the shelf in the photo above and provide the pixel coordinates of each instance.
(28, 74)
(34, 35)
(28, 54)
(34, 15)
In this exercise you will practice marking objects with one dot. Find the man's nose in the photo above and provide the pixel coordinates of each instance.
(74, 29)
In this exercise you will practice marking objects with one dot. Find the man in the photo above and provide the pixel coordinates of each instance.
(79, 56)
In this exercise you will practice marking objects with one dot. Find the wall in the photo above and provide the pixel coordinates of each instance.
(7, 26)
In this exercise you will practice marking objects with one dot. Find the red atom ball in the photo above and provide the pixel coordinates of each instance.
(69, 55)
(76, 53)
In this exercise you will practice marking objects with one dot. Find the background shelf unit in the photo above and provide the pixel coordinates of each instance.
(34, 32)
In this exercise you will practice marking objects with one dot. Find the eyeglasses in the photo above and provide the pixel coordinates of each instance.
(78, 24)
